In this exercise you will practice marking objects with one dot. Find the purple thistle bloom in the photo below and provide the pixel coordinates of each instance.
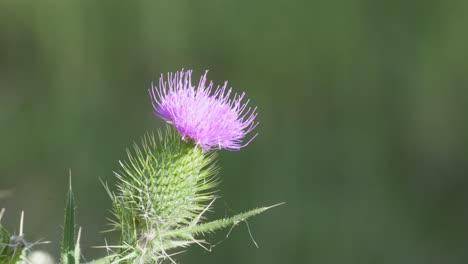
(212, 119)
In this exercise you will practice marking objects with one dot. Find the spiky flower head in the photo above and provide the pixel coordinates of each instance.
(210, 117)
(163, 192)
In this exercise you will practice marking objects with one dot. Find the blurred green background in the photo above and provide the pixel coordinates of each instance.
(362, 108)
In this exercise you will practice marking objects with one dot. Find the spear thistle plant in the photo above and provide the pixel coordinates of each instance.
(169, 180)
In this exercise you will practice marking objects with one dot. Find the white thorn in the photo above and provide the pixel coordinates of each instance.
(70, 178)
(78, 237)
(21, 224)
(250, 233)
(195, 221)
(1, 213)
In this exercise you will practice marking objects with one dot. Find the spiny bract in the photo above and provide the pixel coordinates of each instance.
(161, 188)
(163, 191)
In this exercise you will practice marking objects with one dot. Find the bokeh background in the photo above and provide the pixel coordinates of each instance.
(363, 120)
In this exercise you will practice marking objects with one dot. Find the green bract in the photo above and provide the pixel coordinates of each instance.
(162, 187)
(163, 190)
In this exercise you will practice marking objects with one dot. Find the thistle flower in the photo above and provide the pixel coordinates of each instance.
(213, 120)
(167, 185)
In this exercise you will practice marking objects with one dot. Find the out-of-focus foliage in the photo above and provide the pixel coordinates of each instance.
(362, 110)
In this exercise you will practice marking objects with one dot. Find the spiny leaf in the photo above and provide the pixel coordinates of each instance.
(192, 230)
